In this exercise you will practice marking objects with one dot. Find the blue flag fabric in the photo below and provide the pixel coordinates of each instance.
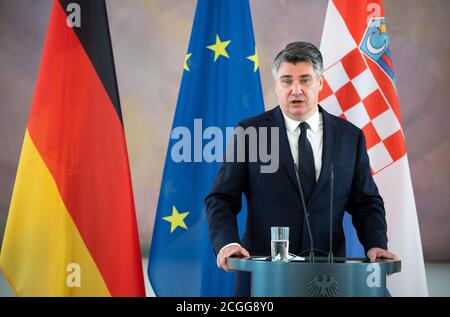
(353, 247)
(221, 86)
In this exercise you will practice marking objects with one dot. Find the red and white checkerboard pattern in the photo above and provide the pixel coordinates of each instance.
(357, 89)
(351, 92)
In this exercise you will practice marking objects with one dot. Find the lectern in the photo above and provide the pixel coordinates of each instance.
(343, 277)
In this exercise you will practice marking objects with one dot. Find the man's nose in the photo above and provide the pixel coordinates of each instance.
(296, 89)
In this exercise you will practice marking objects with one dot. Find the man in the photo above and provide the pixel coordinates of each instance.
(312, 142)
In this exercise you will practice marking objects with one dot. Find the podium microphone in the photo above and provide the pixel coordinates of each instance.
(306, 214)
(330, 250)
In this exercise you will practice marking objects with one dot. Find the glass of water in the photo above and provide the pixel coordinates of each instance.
(279, 243)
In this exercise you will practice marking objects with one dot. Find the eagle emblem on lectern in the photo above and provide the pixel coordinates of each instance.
(323, 286)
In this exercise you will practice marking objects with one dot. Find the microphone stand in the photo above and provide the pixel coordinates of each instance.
(330, 250)
(306, 214)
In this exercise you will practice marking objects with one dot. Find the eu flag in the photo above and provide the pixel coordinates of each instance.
(220, 87)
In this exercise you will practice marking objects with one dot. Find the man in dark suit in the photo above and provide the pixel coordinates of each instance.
(312, 142)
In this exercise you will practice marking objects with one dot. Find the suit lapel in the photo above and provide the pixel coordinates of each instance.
(285, 150)
(330, 141)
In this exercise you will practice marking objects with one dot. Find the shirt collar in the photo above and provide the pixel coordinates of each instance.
(312, 121)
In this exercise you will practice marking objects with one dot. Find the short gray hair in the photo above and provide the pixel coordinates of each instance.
(297, 52)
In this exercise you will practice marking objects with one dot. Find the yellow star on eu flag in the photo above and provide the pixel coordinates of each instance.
(186, 67)
(219, 48)
(176, 219)
(255, 60)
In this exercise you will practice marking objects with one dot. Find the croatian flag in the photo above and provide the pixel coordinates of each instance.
(360, 87)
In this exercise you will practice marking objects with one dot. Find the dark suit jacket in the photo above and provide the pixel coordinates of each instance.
(274, 199)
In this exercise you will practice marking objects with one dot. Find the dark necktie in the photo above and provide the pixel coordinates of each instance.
(307, 172)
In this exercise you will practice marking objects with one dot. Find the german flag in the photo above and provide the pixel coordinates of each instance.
(71, 227)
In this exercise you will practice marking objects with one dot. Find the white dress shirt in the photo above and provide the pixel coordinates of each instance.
(314, 135)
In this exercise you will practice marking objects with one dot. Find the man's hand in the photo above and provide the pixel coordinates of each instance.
(379, 253)
(230, 251)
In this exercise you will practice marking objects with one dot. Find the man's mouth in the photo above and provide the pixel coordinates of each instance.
(297, 102)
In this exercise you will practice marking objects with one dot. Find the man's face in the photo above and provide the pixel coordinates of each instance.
(297, 87)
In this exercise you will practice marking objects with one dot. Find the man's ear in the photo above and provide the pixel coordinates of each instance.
(320, 83)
